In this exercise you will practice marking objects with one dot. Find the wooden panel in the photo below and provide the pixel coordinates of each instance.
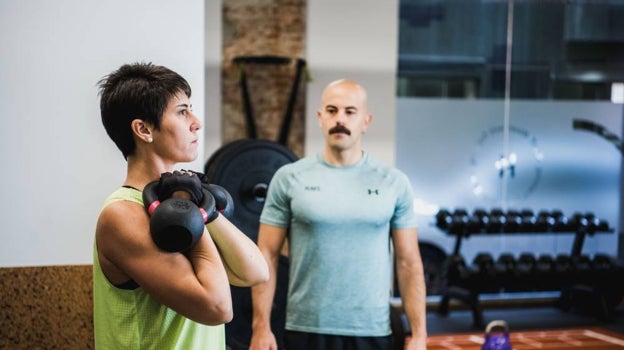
(46, 307)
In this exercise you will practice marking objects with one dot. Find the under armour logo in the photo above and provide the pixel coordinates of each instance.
(373, 192)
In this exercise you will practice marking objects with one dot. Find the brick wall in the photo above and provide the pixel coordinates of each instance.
(261, 28)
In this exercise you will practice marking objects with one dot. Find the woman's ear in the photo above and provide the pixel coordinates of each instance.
(142, 130)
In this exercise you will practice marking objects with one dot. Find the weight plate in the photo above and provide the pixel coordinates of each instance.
(245, 168)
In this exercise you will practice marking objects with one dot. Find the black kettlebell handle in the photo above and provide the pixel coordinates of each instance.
(150, 197)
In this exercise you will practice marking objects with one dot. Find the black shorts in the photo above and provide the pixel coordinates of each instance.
(312, 341)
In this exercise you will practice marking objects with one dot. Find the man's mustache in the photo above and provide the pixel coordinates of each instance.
(339, 129)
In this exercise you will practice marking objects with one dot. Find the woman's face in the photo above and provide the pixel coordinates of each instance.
(177, 139)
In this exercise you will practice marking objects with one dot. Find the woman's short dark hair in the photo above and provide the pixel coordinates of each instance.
(136, 91)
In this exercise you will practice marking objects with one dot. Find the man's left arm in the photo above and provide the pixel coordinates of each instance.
(411, 278)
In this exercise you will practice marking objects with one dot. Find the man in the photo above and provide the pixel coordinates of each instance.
(337, 209)
(146, 297)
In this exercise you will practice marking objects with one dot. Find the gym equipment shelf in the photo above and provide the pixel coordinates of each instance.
(584, 282)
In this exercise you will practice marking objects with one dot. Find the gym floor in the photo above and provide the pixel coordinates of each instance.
(521, 315)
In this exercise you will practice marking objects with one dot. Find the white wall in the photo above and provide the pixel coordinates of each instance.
(58, 162)
(212, 55)
(354, 39)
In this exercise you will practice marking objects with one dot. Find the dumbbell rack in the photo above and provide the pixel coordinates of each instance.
(581, 277)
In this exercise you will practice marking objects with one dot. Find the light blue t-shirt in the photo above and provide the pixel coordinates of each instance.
(339, 220)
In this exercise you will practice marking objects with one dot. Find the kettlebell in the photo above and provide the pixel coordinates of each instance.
(176, 224)
(497, 336)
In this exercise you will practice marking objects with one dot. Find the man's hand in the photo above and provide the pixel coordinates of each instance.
(263, 340)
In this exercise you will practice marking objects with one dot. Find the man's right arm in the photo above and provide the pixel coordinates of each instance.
(270, 241)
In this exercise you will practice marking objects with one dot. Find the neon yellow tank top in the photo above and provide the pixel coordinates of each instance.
(132, 319)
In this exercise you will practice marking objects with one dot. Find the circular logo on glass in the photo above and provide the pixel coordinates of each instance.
(515, 174)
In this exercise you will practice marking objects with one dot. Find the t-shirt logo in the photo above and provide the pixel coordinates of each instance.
(313, 188)
(373, 191)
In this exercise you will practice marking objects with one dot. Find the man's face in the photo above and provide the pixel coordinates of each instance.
(343, 117)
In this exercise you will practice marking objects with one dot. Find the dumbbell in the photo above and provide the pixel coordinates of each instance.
(594, 224)
(578, 222)
(504, 266)
(484, 262)
(604, 268)
(527, 223)
(563, 269)
(505, 263)
(544, 263)
(478, 221)
(582, 269)
(563, 262)
(457, 273)
(544, 272)
(561, 223)
(486, 278)
(443, 219)
(526, 262)
(544, 221)
(459, 222)
(525, 271)
(602, 262)
(512, 221)
(603, 226)
(496, 221)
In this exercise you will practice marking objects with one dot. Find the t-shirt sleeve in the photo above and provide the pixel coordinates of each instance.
(404, 216)
(276, 210)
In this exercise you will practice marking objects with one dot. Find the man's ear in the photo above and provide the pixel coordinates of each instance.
(142, 130)
(318, 118)
(367, 121)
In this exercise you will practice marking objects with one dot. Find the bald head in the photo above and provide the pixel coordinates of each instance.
(343, 118)
(346, 87)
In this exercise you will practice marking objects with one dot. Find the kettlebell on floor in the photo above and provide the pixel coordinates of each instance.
(497, 336)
